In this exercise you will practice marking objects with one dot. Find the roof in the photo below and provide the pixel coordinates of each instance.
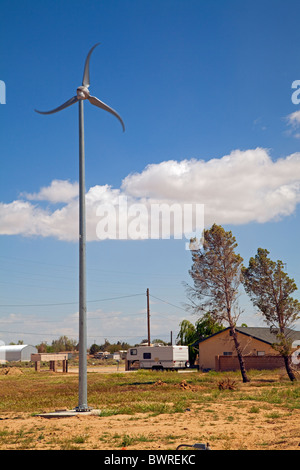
(264, 334)
(13, 347)
(267, 335)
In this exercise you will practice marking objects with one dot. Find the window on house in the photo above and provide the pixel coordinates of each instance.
(227, 353)
(260, 353)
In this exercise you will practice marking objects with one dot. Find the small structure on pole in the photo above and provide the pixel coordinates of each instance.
(83, 94)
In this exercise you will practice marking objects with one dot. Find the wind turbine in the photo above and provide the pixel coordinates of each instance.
(83, 94)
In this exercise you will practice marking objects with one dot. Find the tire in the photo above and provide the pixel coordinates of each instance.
(187, 365)
(157, 368)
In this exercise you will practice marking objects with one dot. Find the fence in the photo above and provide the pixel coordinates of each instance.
(225, 363)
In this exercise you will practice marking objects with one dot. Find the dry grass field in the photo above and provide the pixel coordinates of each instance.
(146, 410)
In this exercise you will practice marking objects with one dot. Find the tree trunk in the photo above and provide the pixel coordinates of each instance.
(286, 349)
(239, 355)
(289, 370)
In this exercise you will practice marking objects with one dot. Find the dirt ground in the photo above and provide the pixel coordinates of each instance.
(223, 427)
(230, 425)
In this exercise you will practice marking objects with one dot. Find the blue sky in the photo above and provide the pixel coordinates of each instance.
(204, 89)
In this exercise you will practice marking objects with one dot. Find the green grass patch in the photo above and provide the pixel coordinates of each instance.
(138, 392)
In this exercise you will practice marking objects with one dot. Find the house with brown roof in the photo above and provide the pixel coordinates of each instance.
(218, 351)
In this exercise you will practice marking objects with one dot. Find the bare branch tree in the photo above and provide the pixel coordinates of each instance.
(216, 274)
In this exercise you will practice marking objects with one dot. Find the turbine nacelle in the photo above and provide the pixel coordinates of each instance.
(84, 94)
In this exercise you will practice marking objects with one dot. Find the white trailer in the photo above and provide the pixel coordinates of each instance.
(158, 357)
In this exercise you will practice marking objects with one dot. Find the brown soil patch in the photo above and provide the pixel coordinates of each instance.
(224, 427)
(183, 385)
(11, 371)
(159, 383)
(236, 419)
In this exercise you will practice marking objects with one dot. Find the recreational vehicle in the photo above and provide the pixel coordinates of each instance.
(158, 357)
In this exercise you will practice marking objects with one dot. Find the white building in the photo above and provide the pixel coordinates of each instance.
(16, 352)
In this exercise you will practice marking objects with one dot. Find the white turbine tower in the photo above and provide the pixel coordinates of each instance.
(83, 94)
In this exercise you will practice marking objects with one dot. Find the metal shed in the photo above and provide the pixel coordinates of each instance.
(16, 352)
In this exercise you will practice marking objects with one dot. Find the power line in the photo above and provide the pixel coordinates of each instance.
(91, 268)
(75, 336)
(68, 303)
(89, 317)
(165, 302)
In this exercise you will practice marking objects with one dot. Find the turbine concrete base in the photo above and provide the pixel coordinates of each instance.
(68, 413)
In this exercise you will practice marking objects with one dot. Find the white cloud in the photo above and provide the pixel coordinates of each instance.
(239, 188)
(293, 121)
(27, 327)
(101, 324)
(294, 118)
(58, 191)
(242, 187)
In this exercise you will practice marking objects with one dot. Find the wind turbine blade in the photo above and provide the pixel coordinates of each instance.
(63, 106)
(93, 100)
(86, 73)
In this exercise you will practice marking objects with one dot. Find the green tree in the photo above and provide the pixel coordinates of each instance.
(63, 344)
(94, 348)
(159, 341)
(270, 289)
(105, 346)
(44, 347)
(207, 325)
(112, 348)
(187, 333)
(216, 274)
(187, 336)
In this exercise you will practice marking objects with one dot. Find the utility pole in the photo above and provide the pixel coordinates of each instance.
(148, 317)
